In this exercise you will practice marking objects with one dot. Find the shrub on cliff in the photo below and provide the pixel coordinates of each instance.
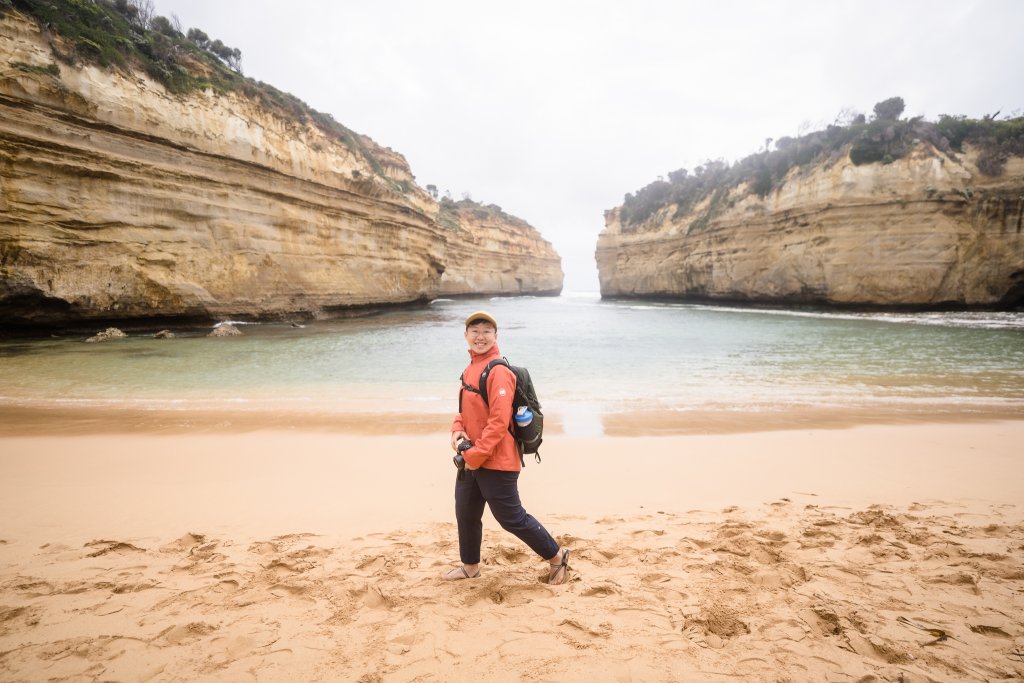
(124, 33)
(996, 140)
(451, 209)
(884, 139)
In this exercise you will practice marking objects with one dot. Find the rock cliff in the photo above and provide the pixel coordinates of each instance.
(120, 200)
(493, 253)
(925, 231)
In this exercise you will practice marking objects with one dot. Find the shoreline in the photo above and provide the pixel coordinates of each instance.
(19, 420)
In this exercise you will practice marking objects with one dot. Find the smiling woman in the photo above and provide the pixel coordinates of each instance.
(489, 460)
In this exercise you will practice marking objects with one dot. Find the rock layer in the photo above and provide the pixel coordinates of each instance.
(119, 200)
(925, 231)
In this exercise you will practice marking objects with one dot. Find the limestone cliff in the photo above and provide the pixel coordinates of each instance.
(121, 200)
(494, 253)
(927, 230)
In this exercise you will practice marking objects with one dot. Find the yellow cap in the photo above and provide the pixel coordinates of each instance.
(481, 315)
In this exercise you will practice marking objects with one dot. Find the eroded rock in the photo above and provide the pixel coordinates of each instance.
(106, 335)
(225, 330)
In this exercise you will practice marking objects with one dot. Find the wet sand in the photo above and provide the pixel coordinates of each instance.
(305, 553)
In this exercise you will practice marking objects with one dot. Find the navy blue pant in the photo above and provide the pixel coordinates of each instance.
(500, 491)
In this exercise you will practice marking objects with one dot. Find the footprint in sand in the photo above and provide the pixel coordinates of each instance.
(649, 579)
(610, 520)
(106, 547)
(961, 579)
(587, 554)
(225, 585)
(373, 597)
(35, 589)
(228, 650)
(817, 538)
(505, 555)
(279, 568)
(184, 543)
(602, 630)
(14, 618)
(991, 631)
(822, 619)
(264, 548)
(644, 533)
(288, 589)
(501, 591)
(717, 625)
(373, 563)
(183, 634)
(601, 591)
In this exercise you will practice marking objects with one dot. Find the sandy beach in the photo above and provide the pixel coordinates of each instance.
(870, 553)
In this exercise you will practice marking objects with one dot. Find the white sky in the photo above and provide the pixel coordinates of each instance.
(555, 110)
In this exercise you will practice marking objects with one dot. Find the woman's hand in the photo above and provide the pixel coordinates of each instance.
(457, 437)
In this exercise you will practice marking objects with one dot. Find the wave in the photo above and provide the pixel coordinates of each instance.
(989, 320)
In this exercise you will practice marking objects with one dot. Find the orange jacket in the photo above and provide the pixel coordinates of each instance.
(493, 445)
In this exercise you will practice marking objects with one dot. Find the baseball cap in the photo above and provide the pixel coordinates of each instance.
(481, 315)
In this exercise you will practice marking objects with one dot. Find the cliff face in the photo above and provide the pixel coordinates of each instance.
(493, 253)
(119, 200)
(927, 230)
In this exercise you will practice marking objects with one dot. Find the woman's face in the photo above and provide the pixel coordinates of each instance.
(481, 337)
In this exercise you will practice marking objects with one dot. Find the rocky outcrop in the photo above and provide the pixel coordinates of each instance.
(493, 253)
(106, 335)
(927, 231)
(120, 201)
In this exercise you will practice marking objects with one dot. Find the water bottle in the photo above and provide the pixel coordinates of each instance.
(524, 416)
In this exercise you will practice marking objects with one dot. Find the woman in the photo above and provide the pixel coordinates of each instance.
(480, 434)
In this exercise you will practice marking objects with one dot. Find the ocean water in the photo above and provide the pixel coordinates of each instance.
(589, 358)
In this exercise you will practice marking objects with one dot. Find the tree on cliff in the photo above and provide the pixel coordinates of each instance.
(232, 56)
(890, 109)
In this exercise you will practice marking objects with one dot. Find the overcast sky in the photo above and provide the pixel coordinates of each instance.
(555, 110)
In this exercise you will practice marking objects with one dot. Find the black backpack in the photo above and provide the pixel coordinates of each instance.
(529, 437)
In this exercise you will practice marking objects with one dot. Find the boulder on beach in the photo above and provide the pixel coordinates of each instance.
(225, 330)
(106, 335)
(164, 334)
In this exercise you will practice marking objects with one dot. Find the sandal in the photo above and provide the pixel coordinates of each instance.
(560, 571)
(453, 574)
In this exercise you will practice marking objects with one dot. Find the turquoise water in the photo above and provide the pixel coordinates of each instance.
(587, 356)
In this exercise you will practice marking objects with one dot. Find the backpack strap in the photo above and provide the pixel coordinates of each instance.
(464, 387)
(483, 379)
(468, 387)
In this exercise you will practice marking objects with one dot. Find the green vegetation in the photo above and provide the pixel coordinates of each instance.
(51, 69)
(125, 34)
(883, 139)
(448, 216)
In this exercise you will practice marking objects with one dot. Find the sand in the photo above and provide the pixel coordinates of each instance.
(871, 553)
